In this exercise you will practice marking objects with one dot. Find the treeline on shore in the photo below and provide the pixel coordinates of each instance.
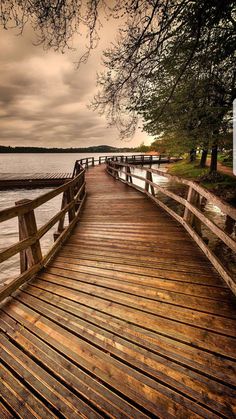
(92, 149)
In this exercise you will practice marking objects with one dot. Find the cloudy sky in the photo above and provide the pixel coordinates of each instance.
(44, 99)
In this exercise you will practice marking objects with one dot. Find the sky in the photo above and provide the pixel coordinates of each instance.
(44, 99)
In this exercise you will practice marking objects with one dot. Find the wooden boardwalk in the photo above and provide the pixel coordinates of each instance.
(129, 320)
(35, 180)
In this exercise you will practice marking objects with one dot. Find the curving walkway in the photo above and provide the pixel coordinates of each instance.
(129, 320)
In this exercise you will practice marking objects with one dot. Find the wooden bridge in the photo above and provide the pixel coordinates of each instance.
(43, 180)
(128, 318)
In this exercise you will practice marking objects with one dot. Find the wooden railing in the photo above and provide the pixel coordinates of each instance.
(133, 159)
(192, 217)
(29, 247)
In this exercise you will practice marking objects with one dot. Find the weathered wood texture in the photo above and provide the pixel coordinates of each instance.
(35, 180)
(193, 216)
(129, 320)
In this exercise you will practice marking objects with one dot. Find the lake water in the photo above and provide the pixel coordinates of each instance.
(45, 163)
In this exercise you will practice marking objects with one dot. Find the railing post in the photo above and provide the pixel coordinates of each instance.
(194, 199)
(149, 177)
(28, 228)
(92, 161)
(60, 227)
(99, 160)
(128, 175)
(69, 198)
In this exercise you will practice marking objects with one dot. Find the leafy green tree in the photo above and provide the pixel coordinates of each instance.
(143, 148)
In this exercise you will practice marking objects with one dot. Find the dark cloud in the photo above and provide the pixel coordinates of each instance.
(44, 99)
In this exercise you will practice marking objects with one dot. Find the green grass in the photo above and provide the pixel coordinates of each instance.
(227, 163)
(223, 185)
(187, 170)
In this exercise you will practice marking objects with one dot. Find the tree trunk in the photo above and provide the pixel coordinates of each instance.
(192, 155)
(203, 158)
(214, 154)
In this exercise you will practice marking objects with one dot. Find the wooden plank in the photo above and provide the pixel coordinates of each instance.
(19, 398)
(5, 412)
(167, 313)
(8, 288)
(91, 253)
(141, 274)
(191, 384)
(94, 392)
(226, 208)
(160, 291)
(47, 388)
(175, 330)
(144, 391)
(219, 367)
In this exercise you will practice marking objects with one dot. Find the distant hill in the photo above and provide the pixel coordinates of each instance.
(92, 149)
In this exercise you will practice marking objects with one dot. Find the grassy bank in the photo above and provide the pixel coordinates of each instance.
(225, 160)
(224, 186)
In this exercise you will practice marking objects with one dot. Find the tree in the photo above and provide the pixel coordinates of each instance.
(56, 22)
(189, 37)
(155, 36)
(143, 148)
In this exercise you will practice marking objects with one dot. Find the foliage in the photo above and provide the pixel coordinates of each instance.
(143, 148)
(226, 158)
(55, 22)
(163, 45)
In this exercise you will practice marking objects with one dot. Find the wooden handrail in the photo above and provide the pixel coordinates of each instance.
(29, 247)
(135, 158)
(192, 217)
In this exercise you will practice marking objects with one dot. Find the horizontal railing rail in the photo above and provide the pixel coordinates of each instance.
(29, 247)
(193, 217)
(135, 159)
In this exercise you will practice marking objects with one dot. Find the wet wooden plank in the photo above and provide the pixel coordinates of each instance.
(35, 180)
(170, 374)
(130, 382)
(48, 389)
(130, 320)
(104, 267)
(161, 292)
(60, 366)
(172, 350)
